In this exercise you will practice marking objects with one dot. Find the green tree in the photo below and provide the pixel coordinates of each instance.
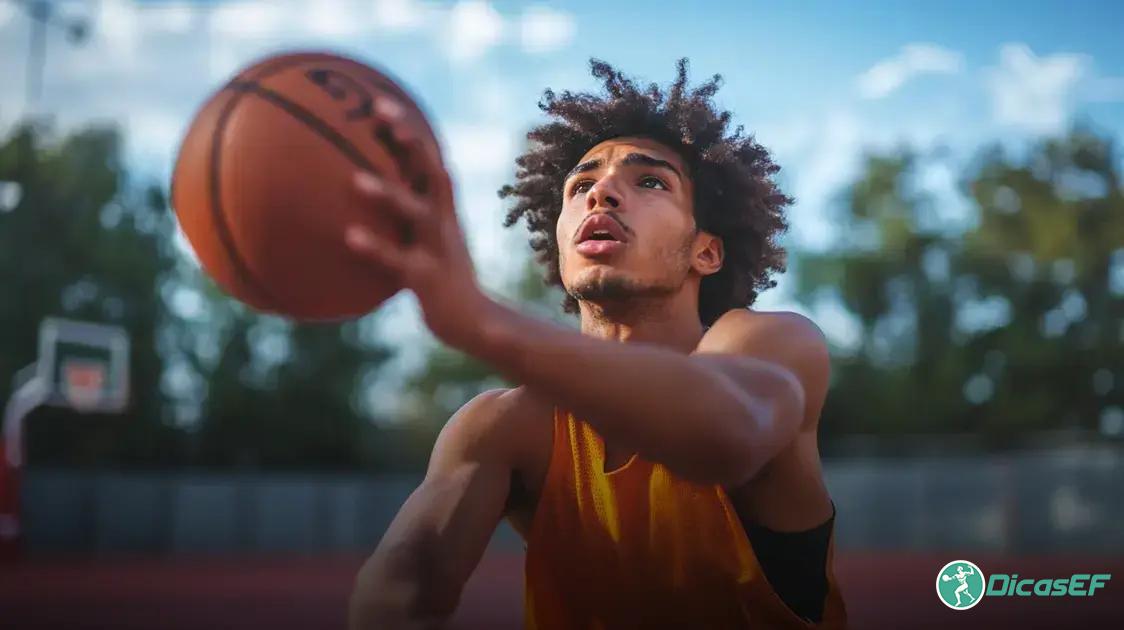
(286, 395)
(451, 378)
(998, 327)
(86, 243)
(1050, 238)
(212, 383)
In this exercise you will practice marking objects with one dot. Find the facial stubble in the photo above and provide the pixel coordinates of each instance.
(615, 288)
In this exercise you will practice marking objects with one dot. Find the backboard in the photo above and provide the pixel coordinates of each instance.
(83, 366)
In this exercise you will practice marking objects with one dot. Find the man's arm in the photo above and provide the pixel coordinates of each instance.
(706, 420)
(415, 576)
(717, 416)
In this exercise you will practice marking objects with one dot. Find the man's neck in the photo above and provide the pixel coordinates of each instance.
(664, 323)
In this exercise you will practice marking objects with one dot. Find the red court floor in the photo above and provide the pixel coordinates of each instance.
(882, 590)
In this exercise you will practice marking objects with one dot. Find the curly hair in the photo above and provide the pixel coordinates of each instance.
(735, 197)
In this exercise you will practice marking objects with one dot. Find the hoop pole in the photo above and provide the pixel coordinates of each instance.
(24, 400)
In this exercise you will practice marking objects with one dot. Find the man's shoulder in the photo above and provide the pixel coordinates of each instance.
(753, 332)
(788, 494)
(500, 405)
(745, 322)
(785, 339)
(509, 419)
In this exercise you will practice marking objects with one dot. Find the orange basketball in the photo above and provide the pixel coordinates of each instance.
(263, 183)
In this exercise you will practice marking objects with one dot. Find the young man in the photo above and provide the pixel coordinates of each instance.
(662, 464)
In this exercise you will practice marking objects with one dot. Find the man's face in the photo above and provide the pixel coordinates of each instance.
(643, 194)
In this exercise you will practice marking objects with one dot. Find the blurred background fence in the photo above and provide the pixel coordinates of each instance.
(1057, 501)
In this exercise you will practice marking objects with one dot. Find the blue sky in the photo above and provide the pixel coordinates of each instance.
(817, 82)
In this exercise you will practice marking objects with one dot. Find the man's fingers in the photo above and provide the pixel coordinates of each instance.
(408, 133)
(395, 198)
(389, 109)
(371, 246)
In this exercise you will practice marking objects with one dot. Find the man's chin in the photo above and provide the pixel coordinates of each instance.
(613, 286)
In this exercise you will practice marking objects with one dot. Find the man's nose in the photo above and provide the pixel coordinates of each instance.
(604, 194)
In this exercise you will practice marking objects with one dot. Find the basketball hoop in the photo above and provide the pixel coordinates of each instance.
(83, 383)
(82, 366)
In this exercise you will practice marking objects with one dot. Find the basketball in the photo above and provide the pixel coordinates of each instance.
(945, 578)
(262, 185)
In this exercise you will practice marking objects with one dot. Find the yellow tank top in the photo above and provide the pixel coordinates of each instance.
(640, 548)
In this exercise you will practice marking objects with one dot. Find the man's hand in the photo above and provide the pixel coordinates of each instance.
(433, 261)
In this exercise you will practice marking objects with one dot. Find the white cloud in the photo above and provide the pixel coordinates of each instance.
(474, 26)
(7, 12)
(224, 60)
(491, 97)
(116, 28)
(821, 153)
(248, 19)
(256, 19)
(331, 18)
(821, 168)
(154, 135)
(480, 158)
(482, 211)
(1034, 93)
(475, 149)
(337, 18)
(545, 30)
(171, 17)
(886, 76)
(786, 138)
(149, 66)
(400, 15)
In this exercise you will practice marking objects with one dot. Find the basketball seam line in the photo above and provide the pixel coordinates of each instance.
(309, 119)
(243, 269)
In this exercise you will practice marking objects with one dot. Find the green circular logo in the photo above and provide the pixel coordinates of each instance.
(960, 585)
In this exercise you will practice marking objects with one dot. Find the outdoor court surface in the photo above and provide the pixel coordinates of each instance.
(881, 591)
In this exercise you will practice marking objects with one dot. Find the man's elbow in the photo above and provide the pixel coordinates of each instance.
(378, 611)
(737, 468)
(764, 428)
(372, 604)
(381, 601)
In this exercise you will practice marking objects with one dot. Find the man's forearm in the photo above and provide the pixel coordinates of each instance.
(391, 591)
(645, 397)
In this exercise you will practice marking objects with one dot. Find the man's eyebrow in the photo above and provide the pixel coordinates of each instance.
(629, 160)
(582, 168)
(647, 160)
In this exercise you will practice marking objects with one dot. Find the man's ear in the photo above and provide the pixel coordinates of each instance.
(708, 255)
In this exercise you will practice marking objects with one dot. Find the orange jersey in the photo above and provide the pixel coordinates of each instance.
(640, 548)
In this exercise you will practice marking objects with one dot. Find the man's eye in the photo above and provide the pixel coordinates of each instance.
(651, 182)
(581, 187)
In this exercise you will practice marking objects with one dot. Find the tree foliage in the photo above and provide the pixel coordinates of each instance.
(1007, 325)
(1000, 323)
(212, 382)
(84, 243)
